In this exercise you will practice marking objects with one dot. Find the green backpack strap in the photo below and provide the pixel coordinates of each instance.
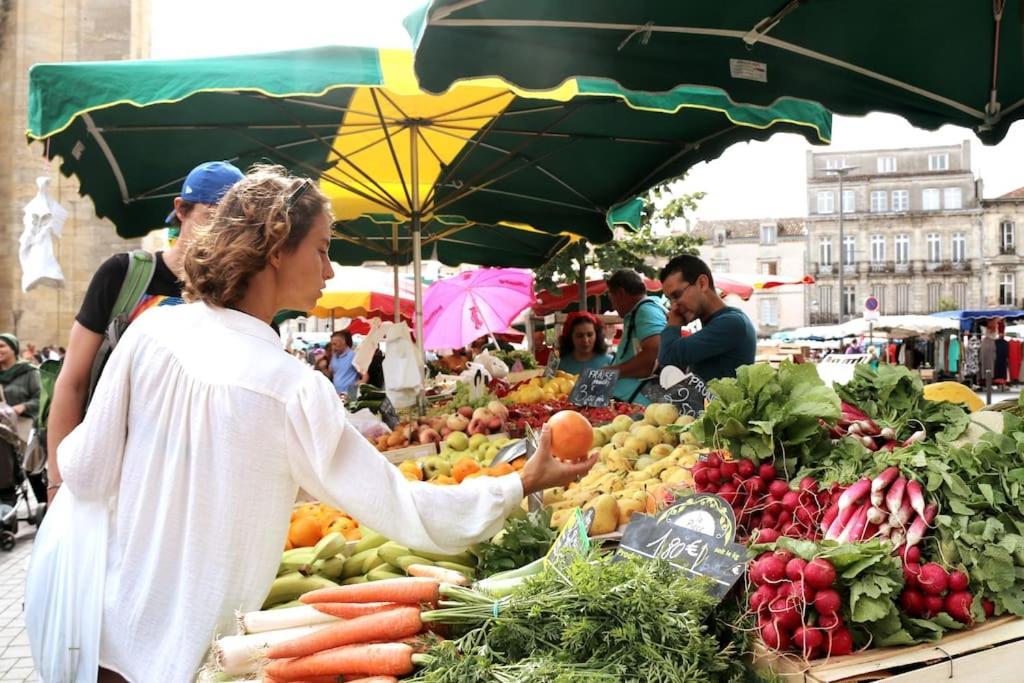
(141, 266)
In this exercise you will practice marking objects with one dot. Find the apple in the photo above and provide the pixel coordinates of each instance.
(434, 466)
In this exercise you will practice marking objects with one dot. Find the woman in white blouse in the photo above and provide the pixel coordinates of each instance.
(203, 429)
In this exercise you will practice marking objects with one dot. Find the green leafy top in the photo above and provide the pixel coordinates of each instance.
(523, 539)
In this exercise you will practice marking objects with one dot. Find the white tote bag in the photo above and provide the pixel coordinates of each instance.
(64, 590)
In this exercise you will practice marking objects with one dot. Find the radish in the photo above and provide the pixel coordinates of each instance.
(767, 535)
(714, 475)
(916, 437)
(786, 614)
(894, 496)
(713, 459)
(884, 529)
(766, 471)
(882, 482)
(755, 486)
(778, 489)
(711, 488)
(768, 520)
(805, 515)
(700, 477)
(729, 469)
(820, 574)
(912, 602)
(790, 500)
(958, 605)
(761, 598)
(840, 523)
(911, 573)
(933, 579)
(783, 555)
(802, 591)
(916, 495)
(793, 530)
(869, 443)
(855, 528)
(854, 429)
(911, 554)
(958, 582)
(745, 468)
(829, 621)
(827, 601)
(773, 569)
(854, 494)
(785, 517)
(876, 515)
(933, 604)
(988, 606)
(897, 537)
(756, 573)
(808, 640)
(774, 637)
(830, 516)
(887, 433)
(920, 526)
(903, 514)
(840, 642)
(728, 492)
(809, 484)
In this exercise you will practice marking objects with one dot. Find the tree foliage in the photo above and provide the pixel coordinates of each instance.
(644, 251)
(948, 304)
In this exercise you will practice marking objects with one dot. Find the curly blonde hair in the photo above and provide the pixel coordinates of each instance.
(266, 211)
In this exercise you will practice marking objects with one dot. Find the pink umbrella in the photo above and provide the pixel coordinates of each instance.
(460, 309)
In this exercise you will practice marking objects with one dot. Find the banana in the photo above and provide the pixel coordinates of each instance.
(331, 568)
(405, 560)
(468, 572)
(354, 564)
(290, 586)
(295, 559)
(383, 573)
(371, 539)
(353, 580)
(372, 561)
(391, 551)
(465, 558)
(328, 546)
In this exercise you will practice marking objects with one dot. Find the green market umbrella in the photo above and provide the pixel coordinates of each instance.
(569, 159)
(931, 61)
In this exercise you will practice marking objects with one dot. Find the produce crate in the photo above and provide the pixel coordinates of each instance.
(400, 455)
(992, 652)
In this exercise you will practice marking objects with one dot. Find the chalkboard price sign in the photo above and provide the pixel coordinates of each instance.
(552, 367)
(697, 538)
(687, 394)
(388, 413)
(594, 387)
(573, 540)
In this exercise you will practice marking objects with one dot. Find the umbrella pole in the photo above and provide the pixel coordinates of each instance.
(583, 276)
(394, 251)
(417, 257)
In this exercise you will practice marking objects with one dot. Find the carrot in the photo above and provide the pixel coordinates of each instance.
(382, 626)
(359, 678)
(307, 679)
(440, 573)
(351, 610)
(408, 591)
(394, 659)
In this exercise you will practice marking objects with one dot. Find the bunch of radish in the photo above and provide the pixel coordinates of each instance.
(761, 501)
(929, 589)
(798, 606)
(890, 506)
(856, 424)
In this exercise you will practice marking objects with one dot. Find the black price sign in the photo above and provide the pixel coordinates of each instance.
(572, 540)
(594, 387)
(552, 367)
(388, 413)
(695, 535)
(687, 394)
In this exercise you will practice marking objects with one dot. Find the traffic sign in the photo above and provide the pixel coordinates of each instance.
(871, 308)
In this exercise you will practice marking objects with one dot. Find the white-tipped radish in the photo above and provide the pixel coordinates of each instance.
(277, 619)
(854, 429)
(888, 433)
(884, 529)
(886, 477)
(839, 523)
(916, 495)
(894, 496)
(855, 528)
(869, 428)
(876, 515)
(903, 515)
(916, 437)
(854, 494)
(920, 526)
(897, 537)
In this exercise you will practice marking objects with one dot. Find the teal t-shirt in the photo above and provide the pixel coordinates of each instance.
(727, 341)
(647, 319)
(571, 365)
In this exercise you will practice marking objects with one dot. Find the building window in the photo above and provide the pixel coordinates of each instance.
(886, 164)
(902, 299)
(1007, 237)
(769, 268)
(300, 326)
(825, 251)
(938, 162)
(960, 295)
(878, 201)
(770, 312)
(826, 202)
(934, 247)
(832, 164)
(902, 248)
(934, 294)
(768, 233)
(849, 201)
(952, 198)
(1006, 290)
(930, 200)
(825, 300)
(959, 247)
(849, 250)
(849, 299)
(901, 200)
(720, 238)
(878, 248)
(880, 295)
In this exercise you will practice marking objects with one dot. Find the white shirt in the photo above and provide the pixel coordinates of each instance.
(202, 430)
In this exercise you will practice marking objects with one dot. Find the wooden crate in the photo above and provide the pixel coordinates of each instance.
(992, 652)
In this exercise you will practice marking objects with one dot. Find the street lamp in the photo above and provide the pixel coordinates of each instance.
(841, 173)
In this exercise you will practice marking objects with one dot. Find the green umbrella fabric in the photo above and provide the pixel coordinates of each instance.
(931, 61)
(571, 160)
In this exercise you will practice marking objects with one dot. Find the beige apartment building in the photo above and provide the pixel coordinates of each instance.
(1002, 283)
(914, 232)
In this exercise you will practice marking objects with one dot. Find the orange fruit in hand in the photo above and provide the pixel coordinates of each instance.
(571, 435)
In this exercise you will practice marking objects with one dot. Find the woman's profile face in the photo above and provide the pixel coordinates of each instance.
(303, 273)
(583, 337)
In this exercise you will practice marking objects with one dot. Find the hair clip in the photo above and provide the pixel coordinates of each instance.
(296, 194)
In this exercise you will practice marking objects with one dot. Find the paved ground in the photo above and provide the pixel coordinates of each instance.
(15, 659)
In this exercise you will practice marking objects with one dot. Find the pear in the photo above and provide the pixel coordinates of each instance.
(622, 423)
(606, 515)
(435, 466)
(650, 434)
(626, 507)
(620, 439)
(644, 461)
(661, 450)
(600, 439)
(637, 444)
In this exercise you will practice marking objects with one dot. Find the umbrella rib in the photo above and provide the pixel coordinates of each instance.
(430, 148)
(387, 96)
(337, 234)
(391, 147)
(108, 154)
(333, 107)
(465, 107)
(689, 147)
(555, 202)
(715, 33)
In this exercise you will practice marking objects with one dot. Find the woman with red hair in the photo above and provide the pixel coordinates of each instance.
(582, 344)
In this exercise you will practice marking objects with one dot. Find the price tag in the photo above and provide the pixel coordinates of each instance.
(388, 413)
(695, 535)
(572, 540)
(552, 367)
(594, 388)
(687, 394)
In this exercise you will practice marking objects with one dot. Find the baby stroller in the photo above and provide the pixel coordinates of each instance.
(14, 485)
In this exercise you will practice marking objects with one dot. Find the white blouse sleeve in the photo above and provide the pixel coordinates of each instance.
(333, 462)
(90, 456)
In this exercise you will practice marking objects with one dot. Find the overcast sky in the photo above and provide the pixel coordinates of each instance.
(752, 180)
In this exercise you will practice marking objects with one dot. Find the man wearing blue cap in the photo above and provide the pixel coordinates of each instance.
(203, 188)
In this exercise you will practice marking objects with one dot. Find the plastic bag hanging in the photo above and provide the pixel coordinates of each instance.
(43, 220)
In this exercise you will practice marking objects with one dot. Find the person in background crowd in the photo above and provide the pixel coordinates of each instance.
(582, 344)
(202, 189)
(541, 350)
(323, 364)
(727, 339)
(643, 319)
(343, 373)
(19, 380)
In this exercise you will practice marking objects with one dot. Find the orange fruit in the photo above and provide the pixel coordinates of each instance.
(304, 532)
(502, 469)
(464, 468)
(571, 435)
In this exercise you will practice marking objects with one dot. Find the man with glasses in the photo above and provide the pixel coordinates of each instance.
(727, 339)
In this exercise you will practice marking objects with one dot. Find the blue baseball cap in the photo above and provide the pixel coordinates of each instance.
(208, 182)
